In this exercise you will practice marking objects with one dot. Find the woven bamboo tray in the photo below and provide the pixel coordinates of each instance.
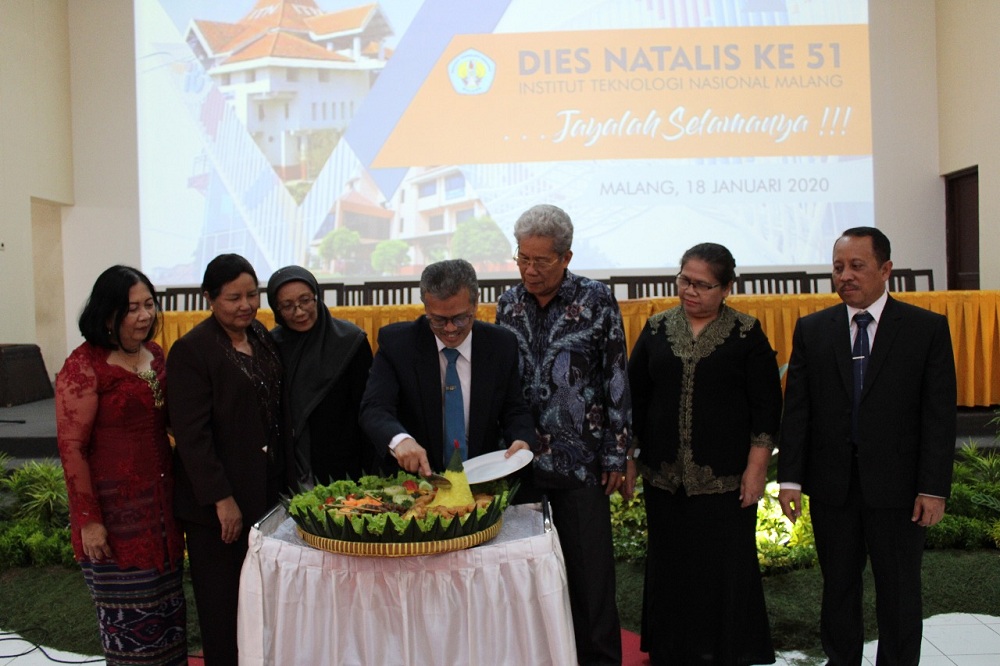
(363, 549)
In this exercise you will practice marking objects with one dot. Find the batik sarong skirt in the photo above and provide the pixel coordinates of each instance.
(141, 613)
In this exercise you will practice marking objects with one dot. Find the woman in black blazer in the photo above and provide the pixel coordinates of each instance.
(226, 412)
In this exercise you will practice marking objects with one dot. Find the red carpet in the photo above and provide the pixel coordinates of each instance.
(630, 650)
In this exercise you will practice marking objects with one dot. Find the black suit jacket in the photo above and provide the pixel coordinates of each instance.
(219, 430)
(908, 408)
(404, 391)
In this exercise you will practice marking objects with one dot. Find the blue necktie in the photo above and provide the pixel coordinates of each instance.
(860, 359)
(454, 408)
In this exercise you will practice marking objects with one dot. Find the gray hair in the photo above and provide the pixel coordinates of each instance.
(547, 221)
(444, 279)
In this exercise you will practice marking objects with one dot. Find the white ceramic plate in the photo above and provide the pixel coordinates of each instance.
(493, 465)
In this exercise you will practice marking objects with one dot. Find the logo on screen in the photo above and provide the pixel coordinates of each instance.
(471, 72)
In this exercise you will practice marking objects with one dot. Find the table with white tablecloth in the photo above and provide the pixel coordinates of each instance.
(503, 602)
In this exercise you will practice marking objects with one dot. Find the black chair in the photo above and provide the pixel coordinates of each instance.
(926, 273)
(902, 279)
(392, 293)
(185, 298)
(820, 283)
(491, 290)
(166, 301)
(787, 282)
(646, 286)
(332, 293)
(354, 294)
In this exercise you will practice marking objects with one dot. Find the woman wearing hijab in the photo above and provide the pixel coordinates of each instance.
(326, 364)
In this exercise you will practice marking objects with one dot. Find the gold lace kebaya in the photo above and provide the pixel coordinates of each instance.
(697, 479)
(149, 376)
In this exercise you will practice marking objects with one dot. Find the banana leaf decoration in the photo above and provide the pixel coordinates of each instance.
(310, 512)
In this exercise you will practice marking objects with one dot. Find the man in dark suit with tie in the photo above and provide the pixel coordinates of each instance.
(445, 378)
(869, 434)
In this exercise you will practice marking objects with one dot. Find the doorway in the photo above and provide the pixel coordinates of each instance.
(962, 228)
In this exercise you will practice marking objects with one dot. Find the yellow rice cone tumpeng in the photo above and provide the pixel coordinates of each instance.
(460, 494)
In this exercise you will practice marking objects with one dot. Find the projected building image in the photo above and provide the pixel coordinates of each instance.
(369, 139)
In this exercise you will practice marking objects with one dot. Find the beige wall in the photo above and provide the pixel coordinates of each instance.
(35, 164)
(50, 296)
(969, 96)
(102, 228)
(924, 52)
(909, 193)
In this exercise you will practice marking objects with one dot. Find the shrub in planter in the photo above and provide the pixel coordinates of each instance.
(628, 526)
(977, 464)
(987, 497)
(962, 501)
(963, 532)
(54, 548)
(781, 546)
(14, 537)
(40, 493)
(995, 533)
(27, 542)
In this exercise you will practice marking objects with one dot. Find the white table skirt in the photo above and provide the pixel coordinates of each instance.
(504, 602)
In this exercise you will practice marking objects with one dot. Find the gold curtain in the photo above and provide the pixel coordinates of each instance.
(972, 317)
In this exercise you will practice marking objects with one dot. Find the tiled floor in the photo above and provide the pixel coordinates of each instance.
(955, 639)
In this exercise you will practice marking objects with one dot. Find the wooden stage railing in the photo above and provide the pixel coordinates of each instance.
(972, 317)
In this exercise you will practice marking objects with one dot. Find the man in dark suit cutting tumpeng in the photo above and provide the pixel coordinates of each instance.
(445, 378)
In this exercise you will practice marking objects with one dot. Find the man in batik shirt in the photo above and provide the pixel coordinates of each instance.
(574, 373)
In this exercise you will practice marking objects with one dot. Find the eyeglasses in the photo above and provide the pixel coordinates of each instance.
(458, 321)
(304, 304)
(539, 263)
(699, 287)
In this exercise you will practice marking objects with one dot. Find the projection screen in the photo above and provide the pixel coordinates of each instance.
(367, 140)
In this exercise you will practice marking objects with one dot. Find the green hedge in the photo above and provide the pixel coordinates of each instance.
(780, 546)
(34, 517)
(971, 521)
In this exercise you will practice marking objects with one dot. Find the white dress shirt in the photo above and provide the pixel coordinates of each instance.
(464, 367)
(875, 310)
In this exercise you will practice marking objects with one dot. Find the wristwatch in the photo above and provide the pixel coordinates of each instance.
(633, 455)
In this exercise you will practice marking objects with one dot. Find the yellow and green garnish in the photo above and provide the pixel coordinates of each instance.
(398, 509)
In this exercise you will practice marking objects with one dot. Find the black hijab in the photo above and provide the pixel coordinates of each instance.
(313, 360)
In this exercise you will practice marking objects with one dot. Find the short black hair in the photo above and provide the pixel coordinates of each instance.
(109, 301)
(444, 279)
(880, 242)
(718, 257)
(224, 269)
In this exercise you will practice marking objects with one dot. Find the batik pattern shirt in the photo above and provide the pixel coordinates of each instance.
(573, 364)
